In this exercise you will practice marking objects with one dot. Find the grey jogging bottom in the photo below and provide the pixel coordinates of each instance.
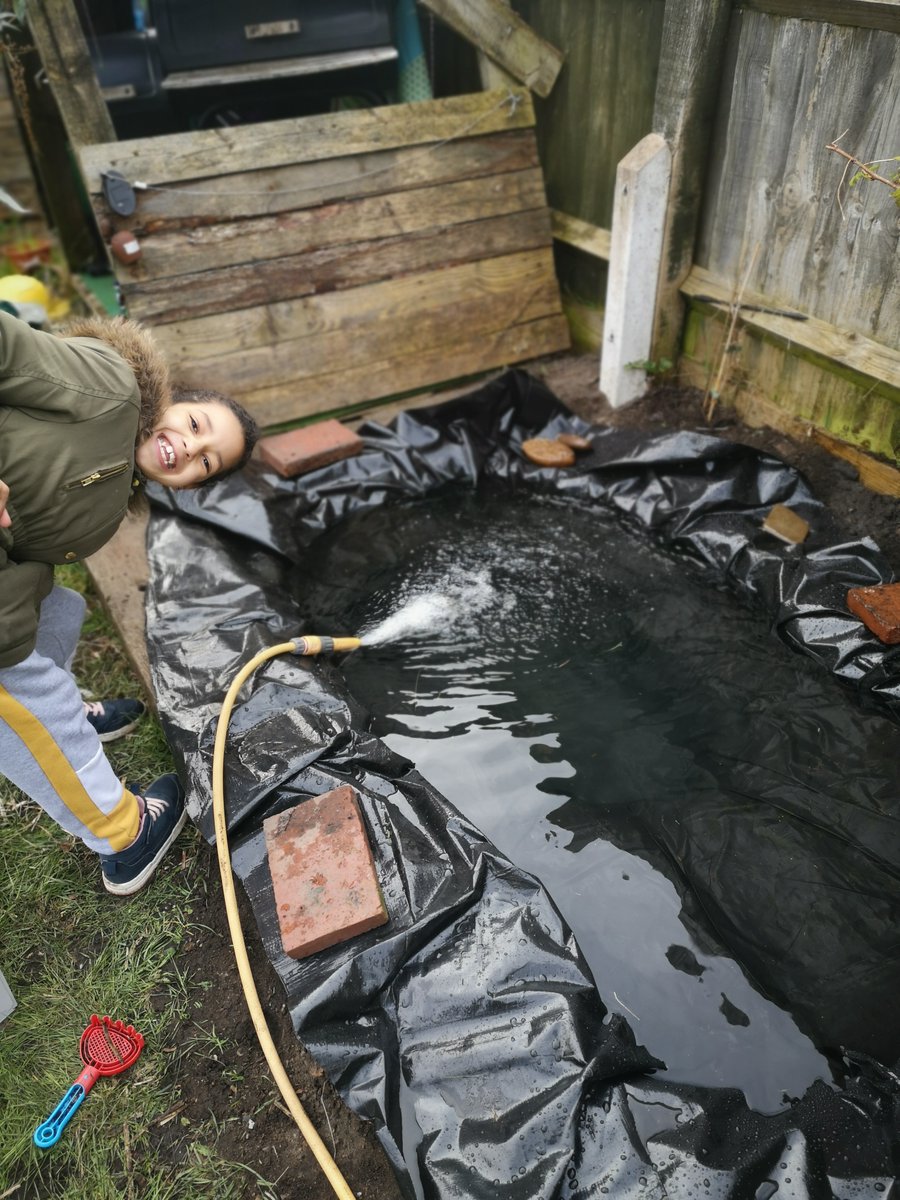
(47, 747)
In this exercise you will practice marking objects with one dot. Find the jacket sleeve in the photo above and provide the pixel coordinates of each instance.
(56, 375)
(22, 588)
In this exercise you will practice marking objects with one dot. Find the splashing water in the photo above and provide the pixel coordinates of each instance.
(460, 594)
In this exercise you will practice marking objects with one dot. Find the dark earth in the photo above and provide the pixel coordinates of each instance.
(273, 1147)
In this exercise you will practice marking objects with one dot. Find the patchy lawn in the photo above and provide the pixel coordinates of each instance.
(197, 1115)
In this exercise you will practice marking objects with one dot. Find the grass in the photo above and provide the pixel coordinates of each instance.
(69, 950)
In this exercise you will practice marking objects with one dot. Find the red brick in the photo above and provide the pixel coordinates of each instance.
(879, 610)
(326, 887)
(313, 446)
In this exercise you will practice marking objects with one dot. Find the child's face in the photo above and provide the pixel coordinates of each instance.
(190, 443)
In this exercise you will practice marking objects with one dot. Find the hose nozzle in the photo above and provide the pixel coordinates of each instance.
(305, 646)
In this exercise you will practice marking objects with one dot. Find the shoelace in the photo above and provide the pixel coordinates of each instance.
(94, 708)
(154, 806)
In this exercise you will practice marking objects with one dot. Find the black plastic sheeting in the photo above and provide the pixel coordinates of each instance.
(469, 1029)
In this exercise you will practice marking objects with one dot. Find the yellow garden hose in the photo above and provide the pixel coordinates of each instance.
(303, 646)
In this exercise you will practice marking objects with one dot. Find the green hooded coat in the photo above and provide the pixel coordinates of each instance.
(72, 409)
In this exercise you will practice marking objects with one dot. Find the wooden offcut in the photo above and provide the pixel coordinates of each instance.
(785, 524)
(505, 38)
(581, 234)
(320, 262)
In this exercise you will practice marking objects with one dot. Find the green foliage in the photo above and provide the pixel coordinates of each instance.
(652, 366)
(866, 173)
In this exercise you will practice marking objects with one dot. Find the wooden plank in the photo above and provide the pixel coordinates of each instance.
(206, 153)
(753, 405)
(57, 34)
(333, 268)
(581, 234)
(795, 385)
(278, 68)
(50, 155)
(872, 361)
(307, 185)
(864, 14)
(687, 88)
(505, 38)
(296, 341)
(477, 353)
(492, 74)
(879, 476)
(216, 246)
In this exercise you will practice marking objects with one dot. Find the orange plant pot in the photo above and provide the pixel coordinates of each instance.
(27, 254)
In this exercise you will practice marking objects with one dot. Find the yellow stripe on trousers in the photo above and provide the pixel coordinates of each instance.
(120, 827)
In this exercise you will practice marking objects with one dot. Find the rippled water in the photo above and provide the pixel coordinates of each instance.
(631, 736)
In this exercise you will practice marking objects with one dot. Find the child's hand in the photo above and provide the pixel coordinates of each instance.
(5, 519)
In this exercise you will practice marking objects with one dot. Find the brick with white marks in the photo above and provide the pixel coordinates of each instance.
(323, 873)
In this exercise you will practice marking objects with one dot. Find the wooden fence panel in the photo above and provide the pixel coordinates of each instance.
(780, 200)
(600, 107)
(311, 264)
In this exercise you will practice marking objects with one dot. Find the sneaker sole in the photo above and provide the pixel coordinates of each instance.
(140, 881)
(117, 733)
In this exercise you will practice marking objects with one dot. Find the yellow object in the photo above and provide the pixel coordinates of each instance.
(303, 646)
(325, 645)
(24, 289)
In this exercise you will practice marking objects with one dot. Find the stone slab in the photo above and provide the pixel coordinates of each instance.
(7, 1000)
(323, 874)
(879, 610)
(302, 450)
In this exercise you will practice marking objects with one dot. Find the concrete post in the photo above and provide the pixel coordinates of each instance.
(639, 217)
(7, 1002)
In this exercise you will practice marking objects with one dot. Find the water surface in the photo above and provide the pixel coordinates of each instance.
(699, 801)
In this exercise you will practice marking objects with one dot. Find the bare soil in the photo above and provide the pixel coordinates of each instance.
(233, 1083)
(257, 1130)
(858, 510)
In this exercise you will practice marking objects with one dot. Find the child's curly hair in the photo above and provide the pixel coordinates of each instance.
(248, 426)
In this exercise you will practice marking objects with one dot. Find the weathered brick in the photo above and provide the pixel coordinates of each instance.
(323, 874)
(302, 450)
(879, 610)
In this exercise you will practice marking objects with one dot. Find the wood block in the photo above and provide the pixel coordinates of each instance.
(323, 873)
(302, 450)
(879, 610)
(782, 522)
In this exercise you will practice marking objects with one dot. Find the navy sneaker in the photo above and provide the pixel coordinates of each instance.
(113, 718)
(127, 871)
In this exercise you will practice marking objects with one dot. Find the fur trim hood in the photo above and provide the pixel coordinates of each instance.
(136, 345)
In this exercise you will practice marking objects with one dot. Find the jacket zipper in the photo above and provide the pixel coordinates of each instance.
(96, 476)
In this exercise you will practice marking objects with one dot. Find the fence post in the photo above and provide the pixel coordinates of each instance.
(56, 32)
(639, 215)
(694, 39)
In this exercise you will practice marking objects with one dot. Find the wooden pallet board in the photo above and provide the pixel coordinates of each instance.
(309, 264)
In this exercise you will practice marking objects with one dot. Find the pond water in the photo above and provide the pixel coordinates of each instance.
(640, 742)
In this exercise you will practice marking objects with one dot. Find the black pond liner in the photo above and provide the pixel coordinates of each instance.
(470, 1029)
